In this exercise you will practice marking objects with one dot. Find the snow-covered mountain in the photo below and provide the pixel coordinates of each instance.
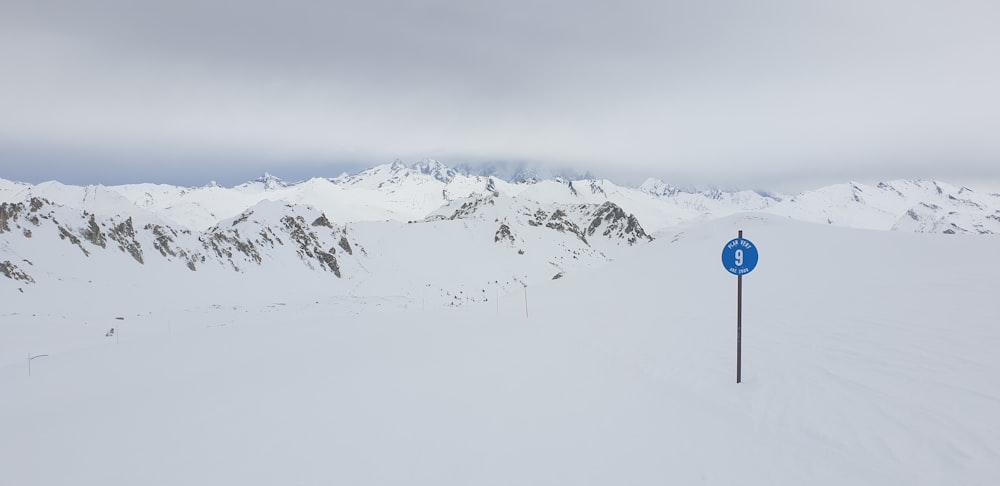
(395, 227)
(401, 192)
(489, 240)
(900, 205)
(903, 205)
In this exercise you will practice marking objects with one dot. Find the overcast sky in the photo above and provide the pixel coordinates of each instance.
(756, 94)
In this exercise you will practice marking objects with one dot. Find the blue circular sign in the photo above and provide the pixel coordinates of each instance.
(739, 256)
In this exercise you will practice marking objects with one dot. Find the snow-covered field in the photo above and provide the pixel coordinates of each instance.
(869, 357)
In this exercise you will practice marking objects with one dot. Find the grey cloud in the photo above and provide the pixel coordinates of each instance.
(710, 91)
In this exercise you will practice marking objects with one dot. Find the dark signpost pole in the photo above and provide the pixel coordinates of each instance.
(739, 257)
(739, 324)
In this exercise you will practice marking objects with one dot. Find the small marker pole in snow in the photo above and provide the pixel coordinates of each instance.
(525, 300)
(739, 257)
(30, 357)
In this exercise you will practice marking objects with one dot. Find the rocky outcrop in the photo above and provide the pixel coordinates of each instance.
(38, 203)
(323, 221)
(164, 241)
(346, 245)
(124, 234)
(227, 245)
(248, 239)
(12, 272)
(468, 208)
(65, 234)
(308, 244)
(611, 221)
(93, 233)
(328, 260)
(503, 234)
(9, 212)
(559, 221)
(582, 221)
(596, 188)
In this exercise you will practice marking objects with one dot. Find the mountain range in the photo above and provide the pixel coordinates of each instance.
(394, 228)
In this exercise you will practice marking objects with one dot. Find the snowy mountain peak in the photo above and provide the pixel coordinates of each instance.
(435, 169)
(656, 187)
(397, 165)
(391, 177)
(597, 187)
(271, 182)
(524, 177)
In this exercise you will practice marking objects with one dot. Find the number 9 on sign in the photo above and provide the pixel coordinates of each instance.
(739, 256)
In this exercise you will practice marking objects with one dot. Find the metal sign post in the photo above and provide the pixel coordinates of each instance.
(739, 257)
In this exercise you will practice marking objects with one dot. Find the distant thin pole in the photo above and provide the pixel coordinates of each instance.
(30, 357)
(525, 301)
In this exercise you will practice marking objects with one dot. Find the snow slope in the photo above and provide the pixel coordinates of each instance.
(869, 359)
